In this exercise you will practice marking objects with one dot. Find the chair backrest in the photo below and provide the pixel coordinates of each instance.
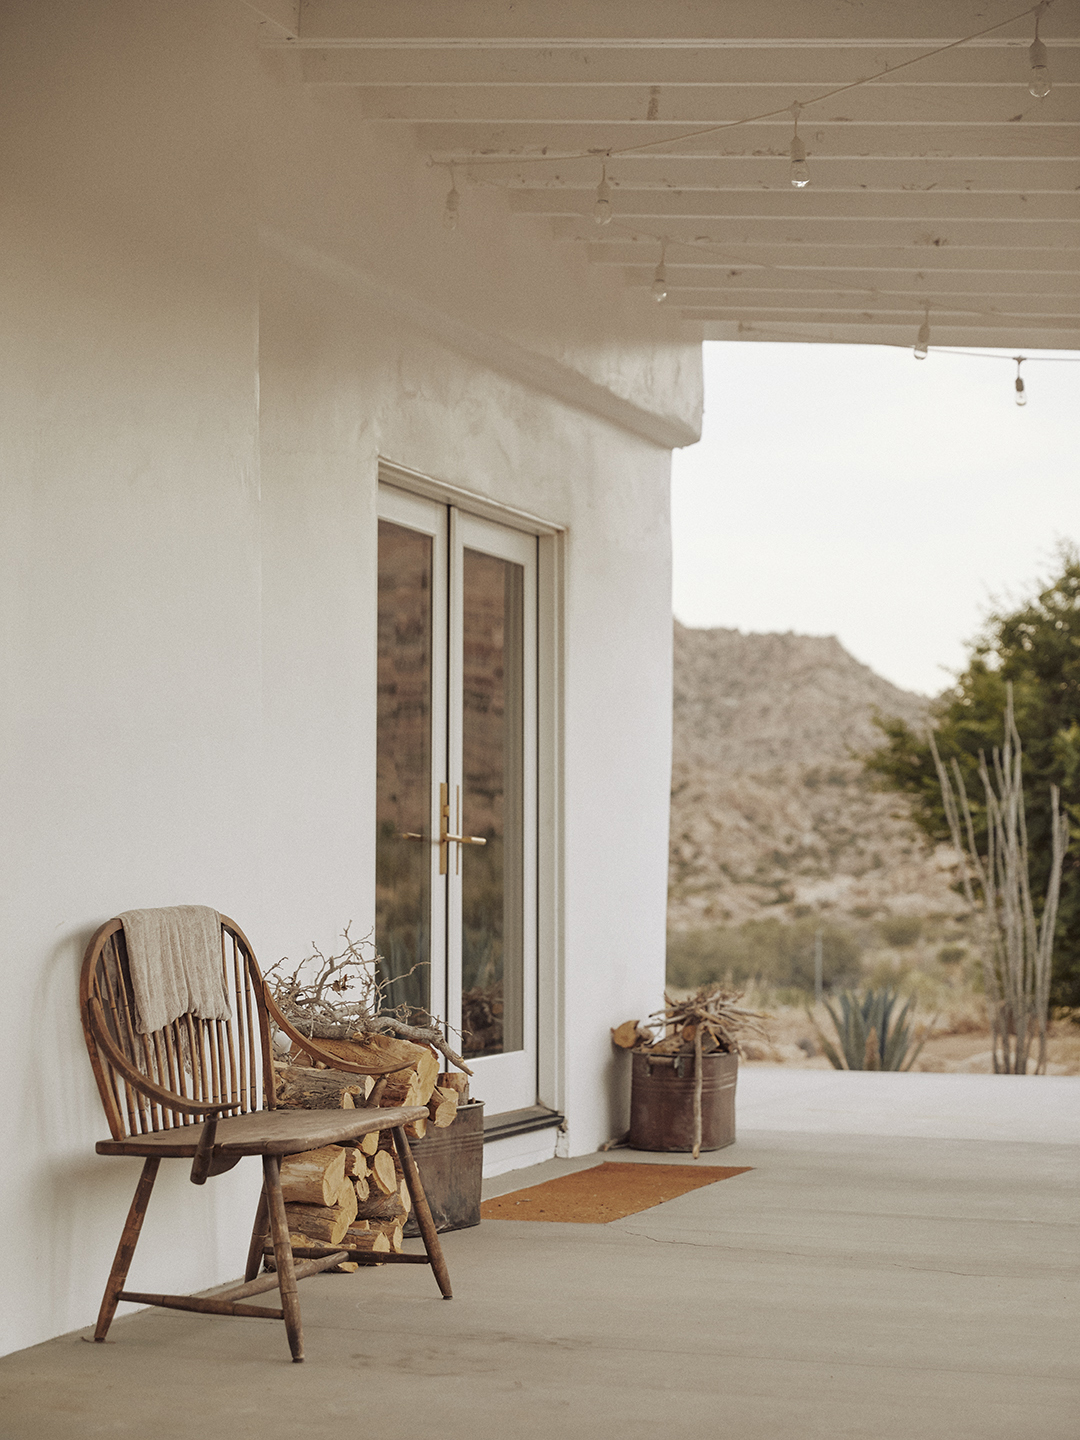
(220, 1061)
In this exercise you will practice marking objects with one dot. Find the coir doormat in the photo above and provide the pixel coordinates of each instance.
(605, 1192)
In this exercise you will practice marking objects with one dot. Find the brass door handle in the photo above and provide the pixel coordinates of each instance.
(445, 837)
(410, 835)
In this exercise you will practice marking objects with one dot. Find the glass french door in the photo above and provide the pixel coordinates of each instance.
(455, 914)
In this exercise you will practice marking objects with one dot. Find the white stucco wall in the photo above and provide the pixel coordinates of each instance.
(188, 452)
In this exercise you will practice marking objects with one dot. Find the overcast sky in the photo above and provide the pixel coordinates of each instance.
(853, 490)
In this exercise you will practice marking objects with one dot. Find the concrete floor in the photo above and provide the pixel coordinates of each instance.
(865, 1283)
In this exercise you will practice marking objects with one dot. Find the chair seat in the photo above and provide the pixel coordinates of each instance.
(267, 1132)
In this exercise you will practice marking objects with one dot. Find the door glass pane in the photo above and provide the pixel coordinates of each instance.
(403, 787)
(491, 805)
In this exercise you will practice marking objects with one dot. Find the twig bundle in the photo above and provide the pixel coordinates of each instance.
(313, 1000)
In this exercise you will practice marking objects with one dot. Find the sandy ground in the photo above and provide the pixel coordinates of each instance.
(955, 1046)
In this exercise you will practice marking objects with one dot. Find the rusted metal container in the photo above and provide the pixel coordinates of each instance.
(451, 1165)
(662, 1101)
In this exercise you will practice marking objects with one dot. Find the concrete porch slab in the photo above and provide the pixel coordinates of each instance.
(868, 1286)
(1027, 1108)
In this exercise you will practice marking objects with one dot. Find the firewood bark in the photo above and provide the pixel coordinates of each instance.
(427, 1075)
(382, 1207)
(372, 1054)
(392, 1230)
(373, 1241)
(383, 1172)
(453, 1080)
(416, 1129)
(303, 1087)
(314, 1177)
(323, 1223)
(355, 1160)
(443, 1107)
(401, 1088)
(627, 1035)
(348, 1200)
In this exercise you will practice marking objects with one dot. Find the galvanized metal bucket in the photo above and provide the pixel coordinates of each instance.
(662, 1101)
(451, 1165)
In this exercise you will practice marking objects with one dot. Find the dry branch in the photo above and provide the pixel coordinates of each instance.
(312, 998)
(1017, 948)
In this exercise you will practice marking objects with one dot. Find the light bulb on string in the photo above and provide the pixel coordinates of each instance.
(1021, 393)
(601, 210)
(453, 200)
(1039, 81)
(922, 340)
(659, 284)
(799, 172)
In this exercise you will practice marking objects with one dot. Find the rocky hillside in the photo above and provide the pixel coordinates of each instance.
(770, 813)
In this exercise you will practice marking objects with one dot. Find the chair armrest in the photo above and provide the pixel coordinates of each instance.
(314, 1049)
(119, 1061)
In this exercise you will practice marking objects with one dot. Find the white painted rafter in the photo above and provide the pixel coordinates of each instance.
(941, 182)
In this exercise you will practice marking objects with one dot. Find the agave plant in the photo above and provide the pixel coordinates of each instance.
(873, 1034)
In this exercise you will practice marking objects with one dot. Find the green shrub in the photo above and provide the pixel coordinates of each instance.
(951, 954)
(900, 931)
(764, 952)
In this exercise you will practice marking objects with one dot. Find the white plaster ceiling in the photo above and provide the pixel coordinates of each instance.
(946, 185)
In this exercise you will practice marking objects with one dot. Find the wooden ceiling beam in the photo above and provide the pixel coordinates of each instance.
(881, 306)
(679, 22)
(963, 286)
(1009, 141)
(805, 259)
(799, 69)
(755, 173)
(1051, 236)
(794, 207)
(632, 108)
(905, 319)
(954, 335)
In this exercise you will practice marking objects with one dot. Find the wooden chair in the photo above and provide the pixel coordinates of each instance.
(202, 1091)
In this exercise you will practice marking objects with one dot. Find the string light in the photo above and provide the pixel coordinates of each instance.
(453, 200)
(601, 210)
(659, 284)
(800, 171)
(922, 340)
(1021, 393)
(1039, 83)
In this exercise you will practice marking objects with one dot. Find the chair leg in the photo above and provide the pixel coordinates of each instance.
(125, 1251)
(423, 1212)
(258, 1230)
(283, 1256)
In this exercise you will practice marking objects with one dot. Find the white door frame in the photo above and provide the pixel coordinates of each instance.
(550, 629)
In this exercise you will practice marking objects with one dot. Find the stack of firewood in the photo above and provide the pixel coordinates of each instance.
(355, 1197)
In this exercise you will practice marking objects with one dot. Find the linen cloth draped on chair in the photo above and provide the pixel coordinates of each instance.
(201, 1089)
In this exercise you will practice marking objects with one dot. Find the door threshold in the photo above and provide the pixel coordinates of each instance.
(521, 1122)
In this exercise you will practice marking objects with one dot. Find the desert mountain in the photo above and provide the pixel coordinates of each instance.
(771, 814)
